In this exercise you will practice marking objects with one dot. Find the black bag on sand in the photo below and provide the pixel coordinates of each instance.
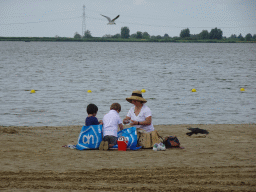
(171, 142)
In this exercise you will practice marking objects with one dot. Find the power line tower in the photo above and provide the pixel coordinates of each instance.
(83, 24)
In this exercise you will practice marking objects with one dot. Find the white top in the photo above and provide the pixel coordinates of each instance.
(110, 123)
(144, 113)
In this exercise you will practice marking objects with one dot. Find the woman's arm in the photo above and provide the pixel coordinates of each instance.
(146, 122)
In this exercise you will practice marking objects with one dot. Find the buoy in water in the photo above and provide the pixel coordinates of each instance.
(242, 89)
(32, 91)
(143, 90)
(193, 90)
(89, 91)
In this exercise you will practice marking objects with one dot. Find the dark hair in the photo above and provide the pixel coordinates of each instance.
(91, 108)
(116, 106)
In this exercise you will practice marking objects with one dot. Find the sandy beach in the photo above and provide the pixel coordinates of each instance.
(33, 159)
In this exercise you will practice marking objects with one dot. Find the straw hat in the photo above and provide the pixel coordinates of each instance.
(136, 95)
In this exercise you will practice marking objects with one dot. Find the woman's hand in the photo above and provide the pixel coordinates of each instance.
(126, 120)
(133, 123)
(121, 127)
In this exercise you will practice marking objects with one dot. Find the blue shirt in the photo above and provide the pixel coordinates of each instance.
(91, 121)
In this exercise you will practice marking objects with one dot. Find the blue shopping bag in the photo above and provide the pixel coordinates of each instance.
(90, 137)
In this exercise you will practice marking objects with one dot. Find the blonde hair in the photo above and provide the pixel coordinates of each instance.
(115, 106)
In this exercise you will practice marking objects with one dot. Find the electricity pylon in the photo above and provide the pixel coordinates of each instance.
(83, 24)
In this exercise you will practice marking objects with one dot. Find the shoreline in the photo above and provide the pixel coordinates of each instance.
(32, 158)
(1, 126)
(134, 40)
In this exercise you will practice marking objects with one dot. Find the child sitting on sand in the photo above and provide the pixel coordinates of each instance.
(111, 122)
(91, 119)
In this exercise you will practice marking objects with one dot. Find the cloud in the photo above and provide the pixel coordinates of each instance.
(139, 2)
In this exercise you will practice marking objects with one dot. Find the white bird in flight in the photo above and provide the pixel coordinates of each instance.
(111, 22)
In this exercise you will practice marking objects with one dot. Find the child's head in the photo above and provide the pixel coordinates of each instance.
(115, 106)
(92, 109)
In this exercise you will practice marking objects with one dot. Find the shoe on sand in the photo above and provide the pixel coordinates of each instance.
(155, 147)
(161, 147)
(103, 146)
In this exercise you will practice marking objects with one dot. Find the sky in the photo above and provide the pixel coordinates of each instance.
(63, 18)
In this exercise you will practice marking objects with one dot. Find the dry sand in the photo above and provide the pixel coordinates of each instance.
(33, 159)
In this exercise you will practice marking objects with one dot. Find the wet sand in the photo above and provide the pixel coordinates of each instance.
(33, 159)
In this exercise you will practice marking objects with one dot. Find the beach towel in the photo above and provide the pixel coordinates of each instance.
(131, 135)
(196, 131)
(90, 137)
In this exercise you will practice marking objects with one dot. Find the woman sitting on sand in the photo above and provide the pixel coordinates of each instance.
(140, 115)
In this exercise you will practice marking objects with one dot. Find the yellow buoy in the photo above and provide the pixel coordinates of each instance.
(89, 91)
(193, 90)
(32, 91)
(143, 90)
(242, 89)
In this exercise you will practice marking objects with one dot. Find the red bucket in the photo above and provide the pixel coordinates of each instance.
(122, 143)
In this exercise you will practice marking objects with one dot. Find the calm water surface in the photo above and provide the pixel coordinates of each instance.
(62, 72)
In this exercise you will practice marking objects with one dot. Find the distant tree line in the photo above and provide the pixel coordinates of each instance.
(87, 34)
(248, 37)
(214, 34)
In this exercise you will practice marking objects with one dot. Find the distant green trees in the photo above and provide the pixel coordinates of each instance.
(77, 35)
(133, 36)
(87, 34)
(204, 34)
(158, 37)
(194, 36)
(240, 37)
(116, 36)
(125, 32)
(248, 37)
(145, 35)
(107, 36)
(139, 35)
(185, 33)
(166, 35)
(233, 36)
(215, 34)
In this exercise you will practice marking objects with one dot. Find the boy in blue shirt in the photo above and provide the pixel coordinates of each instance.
(91, 119)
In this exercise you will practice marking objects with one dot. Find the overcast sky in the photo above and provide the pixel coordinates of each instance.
(48, 18)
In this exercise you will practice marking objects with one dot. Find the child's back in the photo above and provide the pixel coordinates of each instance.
(92, 110)
(111, 123)
(91, 120)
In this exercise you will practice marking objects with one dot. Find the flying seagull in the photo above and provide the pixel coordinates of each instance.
(111, 22)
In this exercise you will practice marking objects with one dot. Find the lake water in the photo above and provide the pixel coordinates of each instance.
(62, 72)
